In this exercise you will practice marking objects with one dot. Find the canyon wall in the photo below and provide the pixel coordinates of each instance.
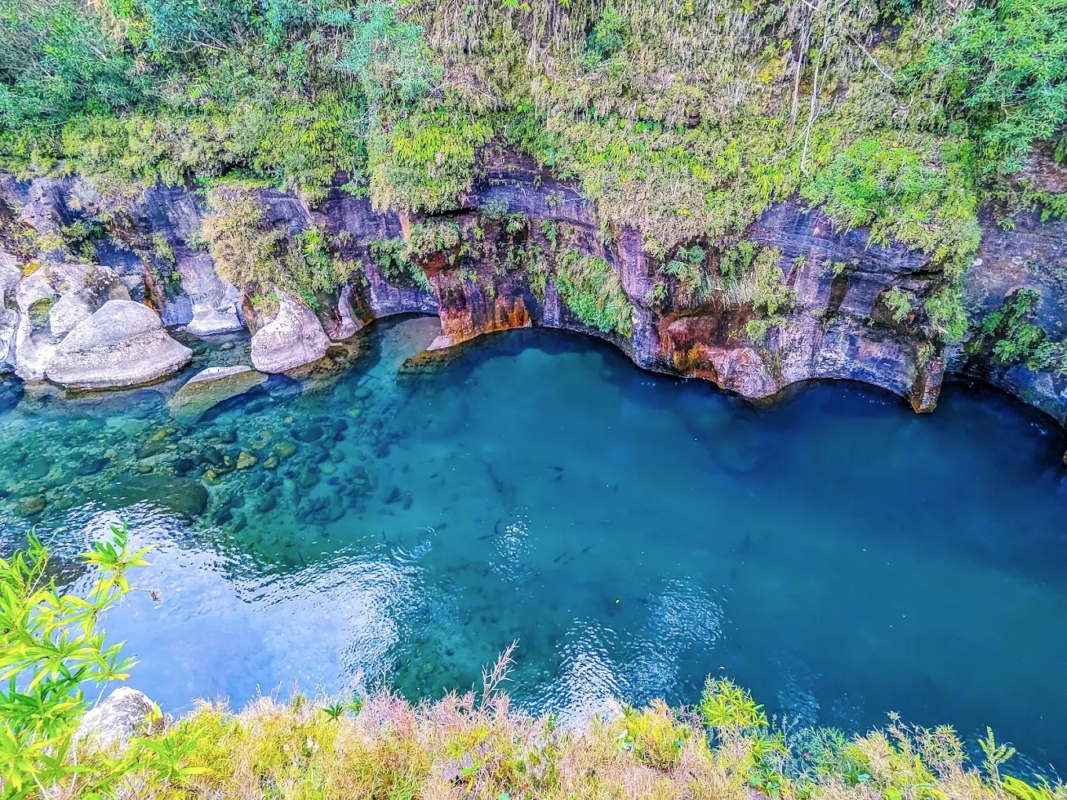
(841, 314)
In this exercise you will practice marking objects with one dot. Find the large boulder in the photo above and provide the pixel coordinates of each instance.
(51, 301)
(213, 301)
(207, 389)
(293, 339)
(125, 714)
(122, 344)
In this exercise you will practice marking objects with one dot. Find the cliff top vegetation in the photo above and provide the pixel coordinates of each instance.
(685, 120)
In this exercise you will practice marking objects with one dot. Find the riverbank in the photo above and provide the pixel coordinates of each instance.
(476, 745)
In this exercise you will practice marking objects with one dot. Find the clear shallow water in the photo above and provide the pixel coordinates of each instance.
(837, 554)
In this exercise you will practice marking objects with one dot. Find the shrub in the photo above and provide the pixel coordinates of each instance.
(593, 291)
(393, 259)
(249, 252)
(898, 303)
(947, 315)
(1016, 340)
(245, 249)
(1003, 68)
(426, 161)
(51, 652)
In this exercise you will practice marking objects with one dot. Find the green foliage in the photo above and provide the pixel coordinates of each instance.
(249, 252)
(610, 34)
(904, 195)
(946, 314)
(386, 53)
(689, 268)
(245, 249)
(496, 210)
(732, 716)
(393, 259)
(1016, 340)
(313, 268)
(55, 62)
(51, 652)
(593, 291)
(288, 142)
(165, 27)
(424, 162)
(1053, 205)
(898, 303)
(654, 735)
(1003, 69)
(40, 309)
(434, 236)
(750, 274)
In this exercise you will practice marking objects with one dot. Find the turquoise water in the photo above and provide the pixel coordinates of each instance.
(837, 554)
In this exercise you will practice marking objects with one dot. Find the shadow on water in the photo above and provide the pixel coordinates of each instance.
(836, 553)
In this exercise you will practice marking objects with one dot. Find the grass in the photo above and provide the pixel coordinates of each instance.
(478, 745)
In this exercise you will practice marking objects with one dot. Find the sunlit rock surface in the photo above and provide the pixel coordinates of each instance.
(122, 344)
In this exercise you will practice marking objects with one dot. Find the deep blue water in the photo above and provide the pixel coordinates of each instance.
(837, 554)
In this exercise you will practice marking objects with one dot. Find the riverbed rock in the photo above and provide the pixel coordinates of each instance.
(185, 497)
(212, 386)
(126, 713)
(31, 506)
(294, 338)
(11, 392)
(122, 344)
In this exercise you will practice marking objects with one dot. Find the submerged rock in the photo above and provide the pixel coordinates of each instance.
(122, 344)
(11, 392)
(126, 713)
(207, 389)
(293, 339)
(182, 496)
(31, 506)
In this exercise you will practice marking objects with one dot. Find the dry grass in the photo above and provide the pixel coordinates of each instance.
(479, 746)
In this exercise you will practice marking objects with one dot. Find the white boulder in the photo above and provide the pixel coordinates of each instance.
(125, 714)
(122, 344)
(292, 339)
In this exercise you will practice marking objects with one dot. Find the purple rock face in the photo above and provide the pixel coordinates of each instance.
(838, 324)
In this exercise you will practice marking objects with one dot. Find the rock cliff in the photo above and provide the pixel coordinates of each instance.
(844, 307)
